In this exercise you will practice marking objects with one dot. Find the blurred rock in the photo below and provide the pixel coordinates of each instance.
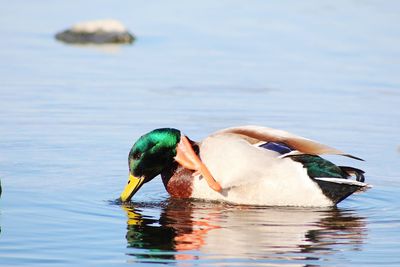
(96, 32)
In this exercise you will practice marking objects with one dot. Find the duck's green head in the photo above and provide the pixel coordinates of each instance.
(149, 156)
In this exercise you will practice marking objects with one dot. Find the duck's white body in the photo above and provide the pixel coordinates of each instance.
(249, 174)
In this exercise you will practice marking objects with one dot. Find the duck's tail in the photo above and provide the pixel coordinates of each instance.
(337, 189)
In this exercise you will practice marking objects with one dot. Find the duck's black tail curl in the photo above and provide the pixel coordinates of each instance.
(354, 171)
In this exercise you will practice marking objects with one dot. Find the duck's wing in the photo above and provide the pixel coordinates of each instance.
(234, 161)
(255, 134)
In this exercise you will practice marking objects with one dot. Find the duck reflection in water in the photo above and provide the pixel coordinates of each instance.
(190, 230)
(177, 230)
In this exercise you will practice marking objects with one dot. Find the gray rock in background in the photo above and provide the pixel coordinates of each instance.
(96, 32)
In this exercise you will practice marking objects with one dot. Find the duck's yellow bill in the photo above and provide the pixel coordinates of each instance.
(134, 183)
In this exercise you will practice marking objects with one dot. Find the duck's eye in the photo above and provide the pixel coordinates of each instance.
(137, 155)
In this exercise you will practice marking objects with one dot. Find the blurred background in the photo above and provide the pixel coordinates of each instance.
(70, 113)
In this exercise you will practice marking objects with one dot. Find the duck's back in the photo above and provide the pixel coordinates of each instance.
(250, 174)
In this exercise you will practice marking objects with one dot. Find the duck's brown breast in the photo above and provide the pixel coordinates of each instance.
(178, 182)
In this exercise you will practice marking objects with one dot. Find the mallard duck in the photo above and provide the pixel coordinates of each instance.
(250, 165)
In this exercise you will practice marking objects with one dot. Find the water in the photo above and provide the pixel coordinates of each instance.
(69, 115)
